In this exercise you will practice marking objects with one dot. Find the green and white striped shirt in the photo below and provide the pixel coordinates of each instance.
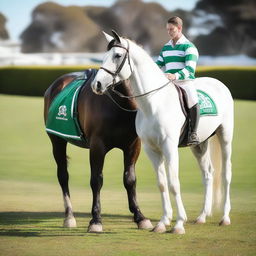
(179, 59)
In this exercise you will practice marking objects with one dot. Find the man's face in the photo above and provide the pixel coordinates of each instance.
(173, 31)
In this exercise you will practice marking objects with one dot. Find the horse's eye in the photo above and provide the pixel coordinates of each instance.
(118, 56)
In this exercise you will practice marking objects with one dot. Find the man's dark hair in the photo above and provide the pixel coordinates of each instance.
(176, 21)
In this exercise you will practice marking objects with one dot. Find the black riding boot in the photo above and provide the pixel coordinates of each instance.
(194, 114)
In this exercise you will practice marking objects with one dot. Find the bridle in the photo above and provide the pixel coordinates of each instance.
(114, 74)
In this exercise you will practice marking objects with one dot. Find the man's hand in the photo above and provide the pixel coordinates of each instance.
(170, 76)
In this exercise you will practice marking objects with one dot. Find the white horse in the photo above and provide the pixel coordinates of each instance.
(159, 123)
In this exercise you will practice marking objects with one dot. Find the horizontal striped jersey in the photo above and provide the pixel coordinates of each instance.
(179, 59)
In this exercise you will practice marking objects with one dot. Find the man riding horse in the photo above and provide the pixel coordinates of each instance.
(179, 57)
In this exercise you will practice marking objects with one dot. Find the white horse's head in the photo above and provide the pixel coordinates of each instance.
(117, 65)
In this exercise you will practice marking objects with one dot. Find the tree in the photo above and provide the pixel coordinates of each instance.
(236, 32)
(3, 31)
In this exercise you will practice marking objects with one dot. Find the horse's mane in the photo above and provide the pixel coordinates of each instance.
(146, 56)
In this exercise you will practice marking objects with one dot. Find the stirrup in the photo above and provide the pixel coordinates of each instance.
(193, 139)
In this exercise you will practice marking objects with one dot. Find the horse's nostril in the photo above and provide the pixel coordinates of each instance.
(98, 86)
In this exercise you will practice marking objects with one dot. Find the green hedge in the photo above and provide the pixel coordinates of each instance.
(241, 81)
(33, 81)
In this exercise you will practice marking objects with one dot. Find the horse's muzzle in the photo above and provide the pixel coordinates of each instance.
(97, 87)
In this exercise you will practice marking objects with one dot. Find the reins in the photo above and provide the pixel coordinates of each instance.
(140, 95)
(121, 95)
(125, 109)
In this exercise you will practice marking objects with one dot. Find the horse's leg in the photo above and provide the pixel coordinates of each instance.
(59, 152)
(158, 163)
(130, 157)
(97, 156)
(225, 138)
(172, 166)
(201, 153)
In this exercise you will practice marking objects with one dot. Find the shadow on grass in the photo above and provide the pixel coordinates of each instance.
(44, 224)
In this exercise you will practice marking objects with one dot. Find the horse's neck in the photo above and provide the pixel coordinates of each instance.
(148, 77)
(147, 74)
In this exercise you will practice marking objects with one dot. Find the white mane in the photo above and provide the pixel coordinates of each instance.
(141, 57)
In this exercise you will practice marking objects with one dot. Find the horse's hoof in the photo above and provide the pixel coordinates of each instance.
(145, 224)
(69, 223)
(200, 221)
(178, 231)
(224, 223)
(95, 228)
(159, 228)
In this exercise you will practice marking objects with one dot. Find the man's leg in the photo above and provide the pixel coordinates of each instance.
(194, 110)
(194, 116)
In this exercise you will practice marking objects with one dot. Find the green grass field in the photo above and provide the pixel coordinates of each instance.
(31, 209)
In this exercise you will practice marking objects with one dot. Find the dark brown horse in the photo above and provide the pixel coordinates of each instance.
(106, 126)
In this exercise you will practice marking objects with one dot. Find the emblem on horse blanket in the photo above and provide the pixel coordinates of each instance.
(62, 117)
(206, 103)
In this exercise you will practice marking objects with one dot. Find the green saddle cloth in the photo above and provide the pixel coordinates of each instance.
(62, 116)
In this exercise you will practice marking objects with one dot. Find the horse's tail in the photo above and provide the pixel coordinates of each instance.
(216, 159)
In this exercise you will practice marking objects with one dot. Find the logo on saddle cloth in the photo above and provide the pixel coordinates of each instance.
(62, 113)
(207, 105)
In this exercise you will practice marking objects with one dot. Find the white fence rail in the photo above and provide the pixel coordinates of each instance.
(10, 54)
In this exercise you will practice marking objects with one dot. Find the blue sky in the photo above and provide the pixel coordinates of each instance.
(18, 12)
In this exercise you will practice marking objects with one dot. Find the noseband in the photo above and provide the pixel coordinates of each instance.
(116, 73)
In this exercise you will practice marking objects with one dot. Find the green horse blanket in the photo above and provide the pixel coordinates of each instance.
(62, 117)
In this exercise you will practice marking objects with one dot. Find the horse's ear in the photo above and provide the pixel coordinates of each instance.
(108, 37)
(116, 36)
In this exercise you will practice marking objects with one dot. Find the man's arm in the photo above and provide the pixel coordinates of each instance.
(160, 60)
(188, 72)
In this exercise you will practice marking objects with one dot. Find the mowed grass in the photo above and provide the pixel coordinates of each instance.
(31, 207)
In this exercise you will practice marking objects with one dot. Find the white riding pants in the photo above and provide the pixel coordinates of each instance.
(188, 86)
